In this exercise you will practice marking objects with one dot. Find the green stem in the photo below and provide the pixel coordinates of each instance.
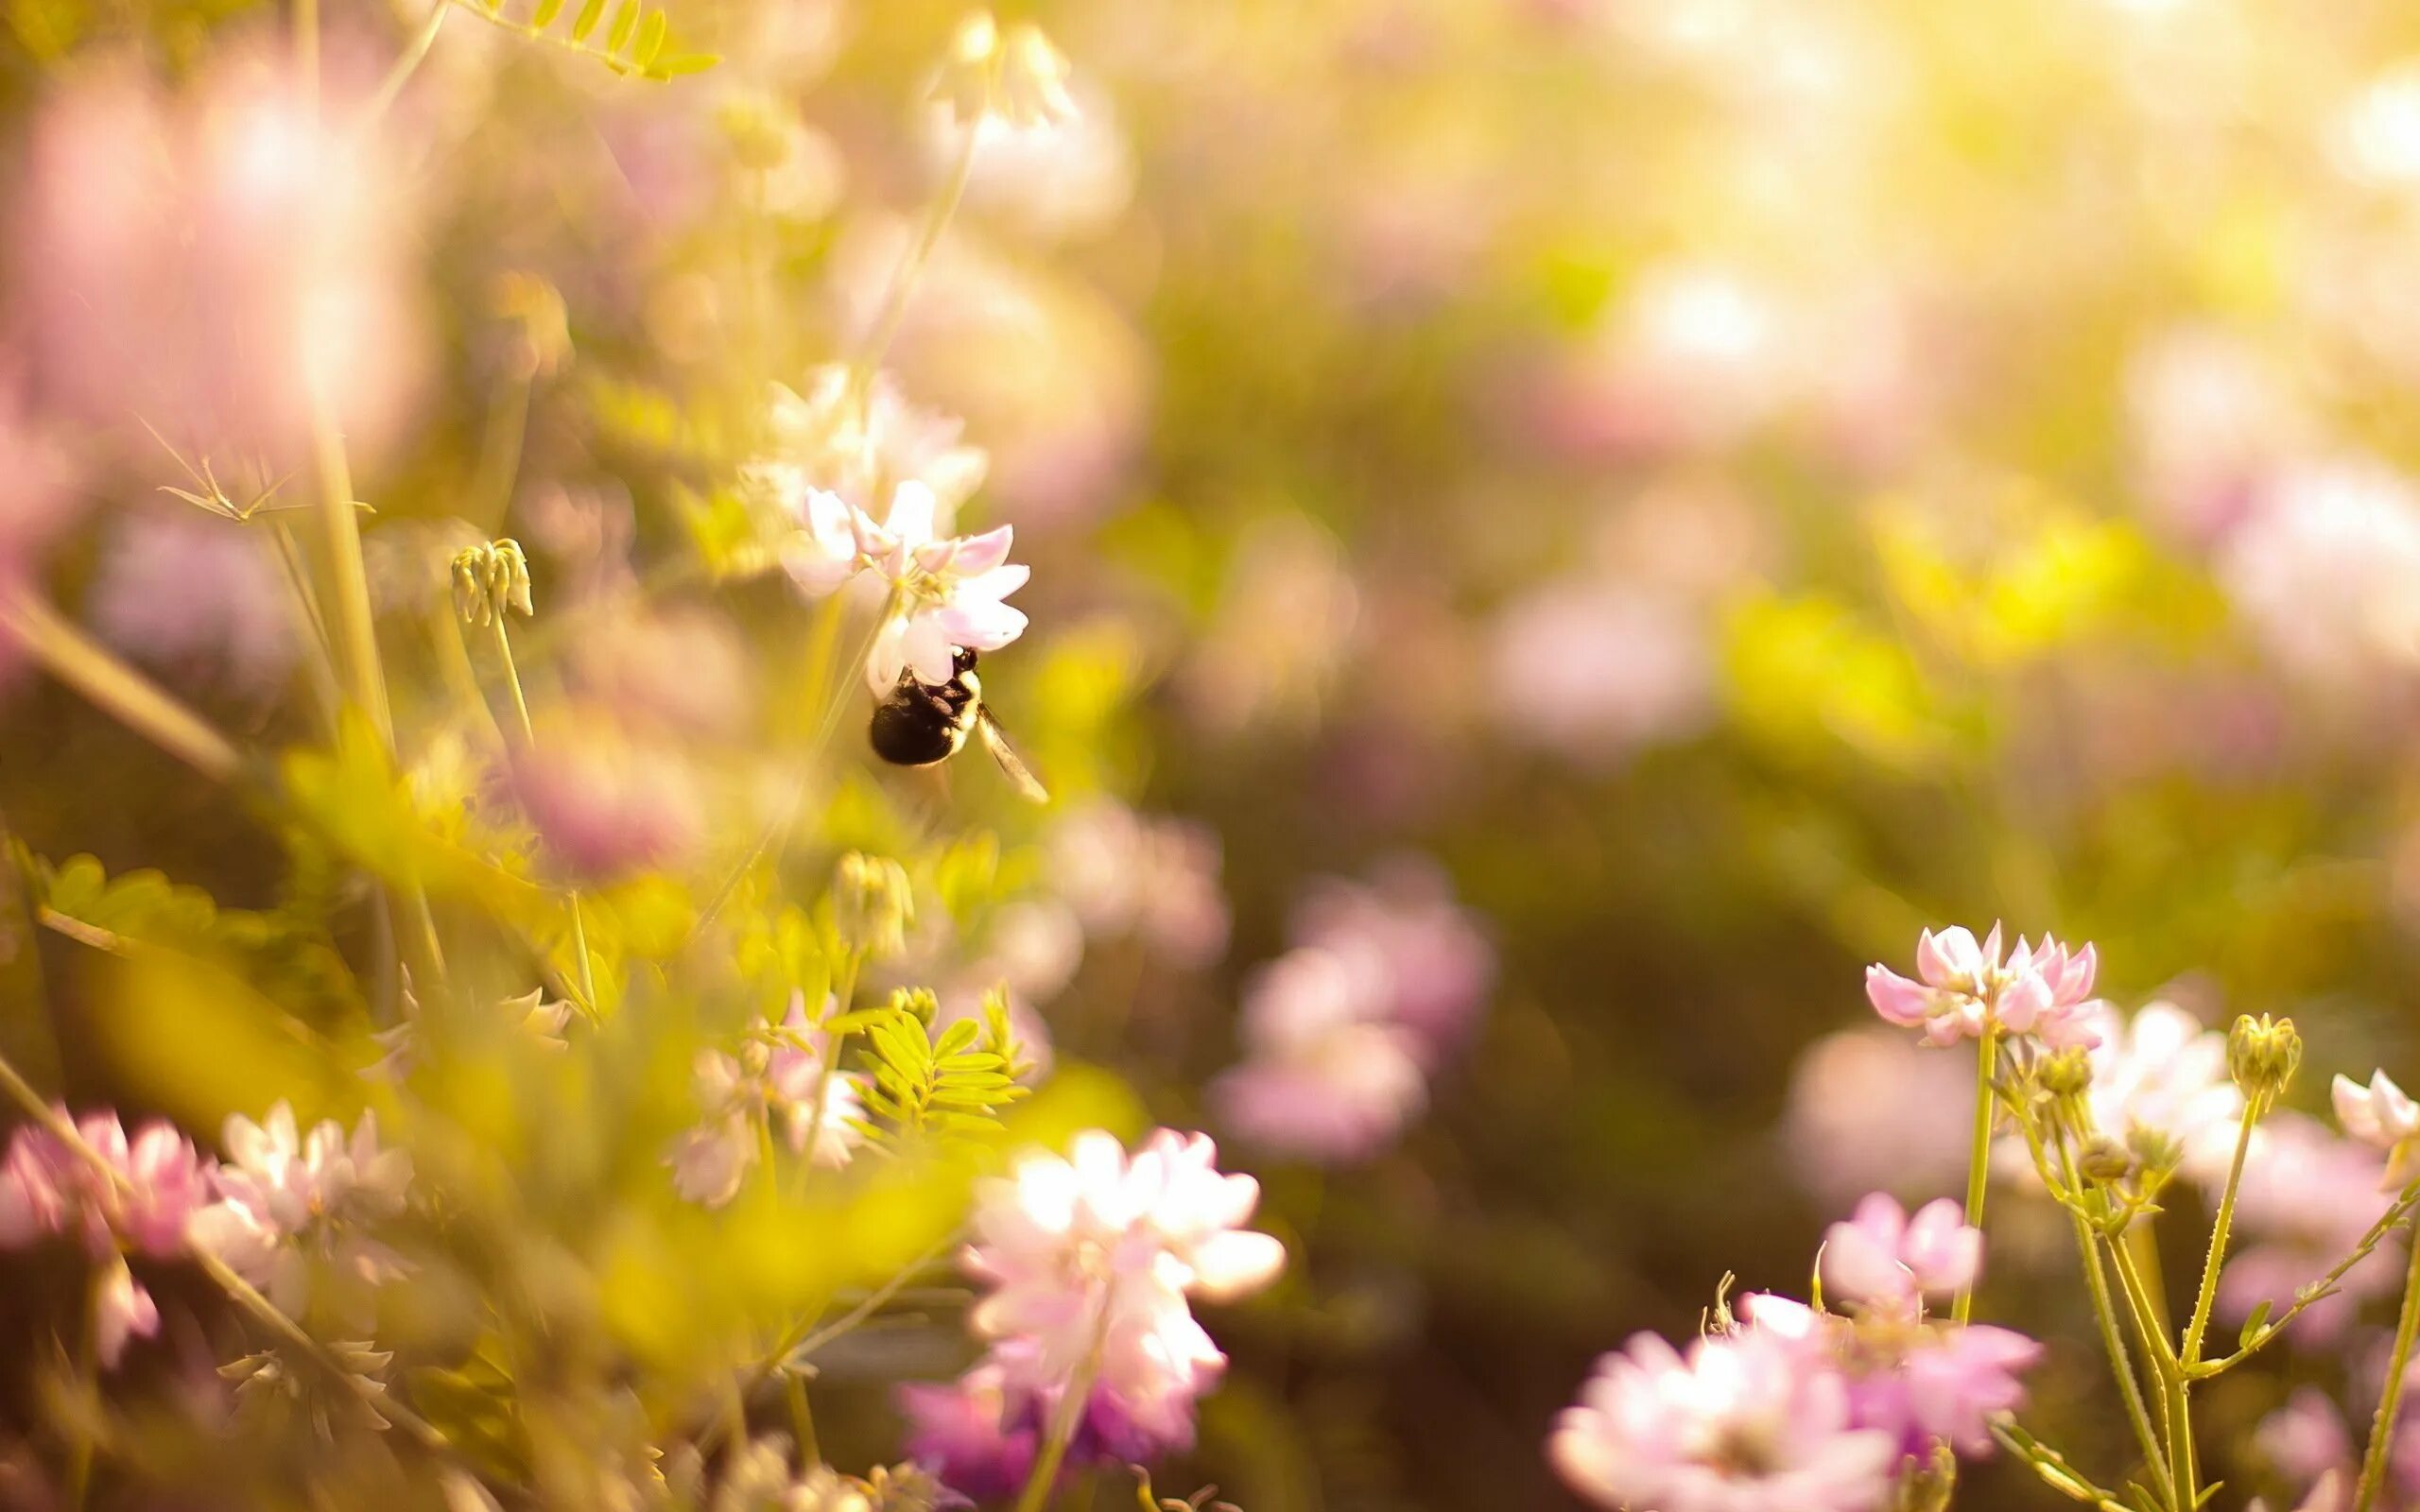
(902, 275)
(2254, 1109)
(2120, 1361)
(133, 699)
(414, 51)
(88, 1348)
(356, 631)
(845, 992)
(1062, 1432)
(1979, 1156)
(2391, 1396)
(529, 738)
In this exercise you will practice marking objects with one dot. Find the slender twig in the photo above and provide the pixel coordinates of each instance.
(406, 65)
(2053, 1468)
(2390, 1395)
(126, 694)
(2254, 1107)
(903, 273)
(2324, 1288)
(1979, 1156)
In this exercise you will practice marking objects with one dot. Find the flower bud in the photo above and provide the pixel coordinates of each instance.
(1014, 74)
(2155, 1150)
(918, 1001)
(491, 580)
(2262, 1054)
(2068, 1073)
(873, 904)
(2104, 1160)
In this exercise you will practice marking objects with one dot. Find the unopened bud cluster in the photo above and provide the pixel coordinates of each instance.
(1012, 74)
(873, 904)
(2262, 1055)
(491, 580)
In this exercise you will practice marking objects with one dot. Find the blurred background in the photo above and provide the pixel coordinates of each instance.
(1621, 509)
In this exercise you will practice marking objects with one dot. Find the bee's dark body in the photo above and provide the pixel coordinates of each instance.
(923, 724)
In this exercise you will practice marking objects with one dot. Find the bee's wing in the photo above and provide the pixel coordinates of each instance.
(995, 740)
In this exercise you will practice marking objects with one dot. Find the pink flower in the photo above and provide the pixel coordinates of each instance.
(1958, 1380)
(1092, 1258)
(1426, 953)
(949, 591)
(607, 804)
(1883, 1258)
(1326, 1077)
(192, 594)
(147, 1204)
(775, 1078)
(290, 1204)
(2381, 1115)
(823, 555)
(1967, 987)
(972, 1434)
(122, 1310)
(1744, 1422)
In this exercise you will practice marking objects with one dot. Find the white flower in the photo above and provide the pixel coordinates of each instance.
(2163, 1071)
(289, 1202)
(947, 589)
(1091, 1258)
(2380, 1114)
(775, 1077)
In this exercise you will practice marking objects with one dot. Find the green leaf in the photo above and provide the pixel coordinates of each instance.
(591, 11)
(2253, 1325)
(544, 16)
(651, 39)
(626, 16)
(680, 63)
(955, 1039)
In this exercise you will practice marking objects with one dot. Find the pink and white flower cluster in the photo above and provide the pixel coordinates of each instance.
(278, 1205)
(775, 1078)
(944, 590)
(1965, 988)
(1342, 1032)
(1798, 1409)
(291, 1204)
(1091, 1262)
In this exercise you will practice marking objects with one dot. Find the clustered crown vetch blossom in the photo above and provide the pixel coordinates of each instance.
(1343, 1031)
(1090, 1262)
(1965, 988)
(144, 1201)
(775, 1077)
(1791, 1407)
(289, 1202)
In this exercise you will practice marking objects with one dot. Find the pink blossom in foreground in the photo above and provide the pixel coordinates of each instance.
(1922, 1383)
(2308, 1197)
(290, 1203)
(1884, 1257)
(1744, 1422)
(1964, 988)
(979, 1435)
(1089, 1262)
(2381, 1115)
(147, 1204)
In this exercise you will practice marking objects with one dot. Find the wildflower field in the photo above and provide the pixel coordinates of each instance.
(1295, 755)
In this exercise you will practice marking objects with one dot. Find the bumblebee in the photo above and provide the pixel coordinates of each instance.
(923, 724)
